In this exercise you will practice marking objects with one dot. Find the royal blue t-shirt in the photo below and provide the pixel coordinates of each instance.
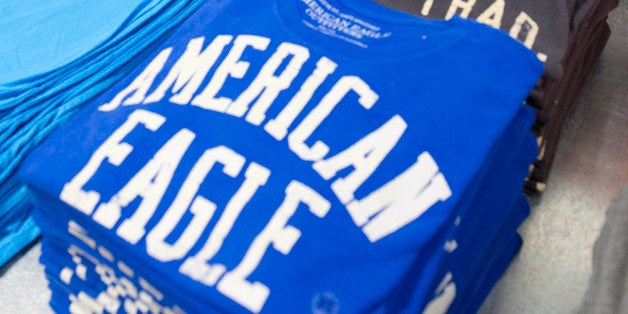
(270, 155)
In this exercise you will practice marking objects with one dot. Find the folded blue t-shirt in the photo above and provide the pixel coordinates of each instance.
(309, 149)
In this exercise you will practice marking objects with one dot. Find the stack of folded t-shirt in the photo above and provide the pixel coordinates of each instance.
(587, 39)
(57, 56)
(289, 157)
(39, 36)
(568, 36)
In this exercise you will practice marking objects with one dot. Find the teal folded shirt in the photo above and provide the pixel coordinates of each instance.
(38, 36)
(33, 104)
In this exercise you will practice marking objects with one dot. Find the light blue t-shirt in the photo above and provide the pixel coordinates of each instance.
(38, 36)
(34, 106)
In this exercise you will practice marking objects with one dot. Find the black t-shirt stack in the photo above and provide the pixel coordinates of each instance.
(567, 35)
(588, 37)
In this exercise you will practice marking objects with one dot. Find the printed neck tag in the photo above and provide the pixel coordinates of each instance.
(321, 16)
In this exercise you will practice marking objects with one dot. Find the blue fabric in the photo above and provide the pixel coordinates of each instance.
(87, 273)
(495, 270)
(38, 36)
(32, 107)
(454, 294)
(20, 237)
(474, 228)
(452, 94)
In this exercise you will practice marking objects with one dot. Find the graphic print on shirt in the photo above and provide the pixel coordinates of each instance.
(379, 214)
(119, 289)
(443, 296)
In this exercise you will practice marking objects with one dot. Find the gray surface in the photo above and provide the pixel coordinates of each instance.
(606, 292)
(23, 287)
(551, 273)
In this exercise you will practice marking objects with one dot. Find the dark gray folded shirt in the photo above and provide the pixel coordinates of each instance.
(542, 25)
